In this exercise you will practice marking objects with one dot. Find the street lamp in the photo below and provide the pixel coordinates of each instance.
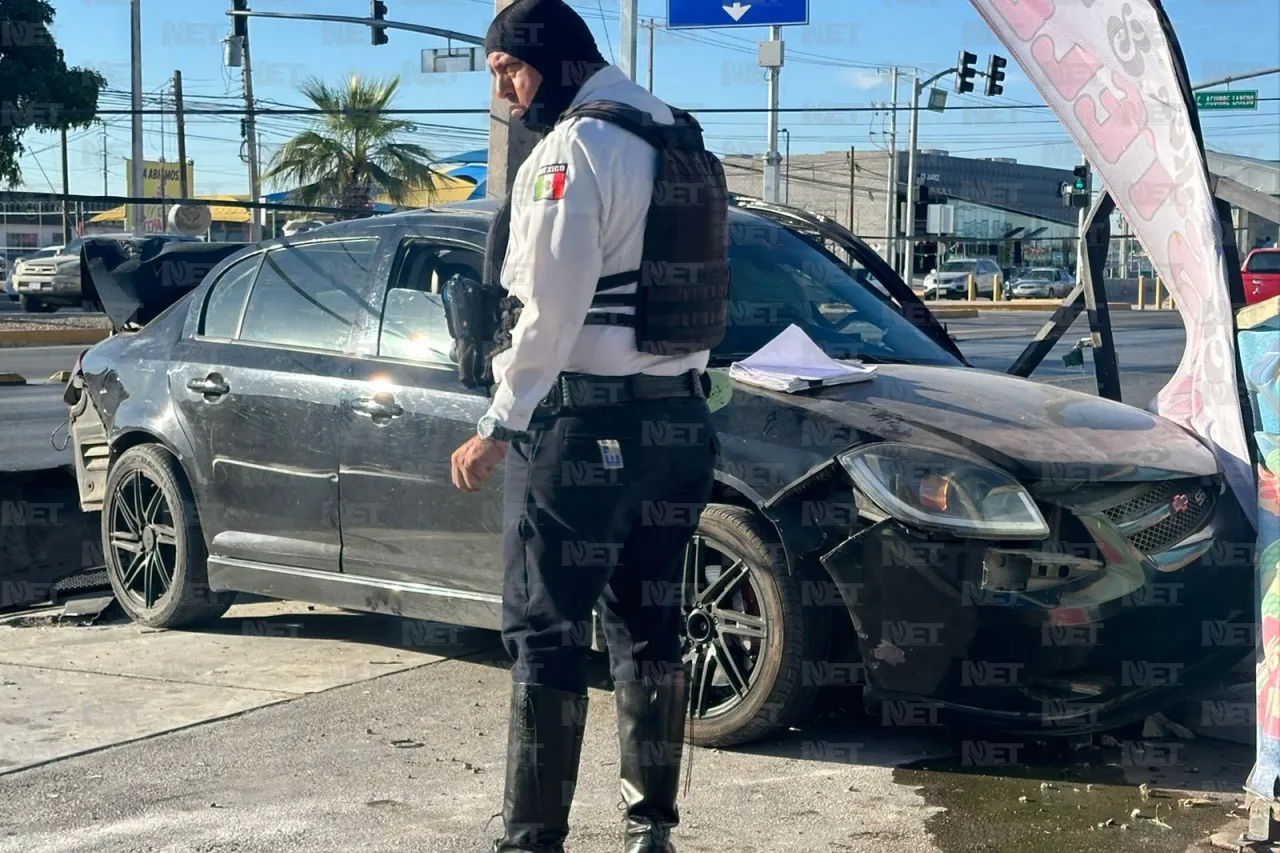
(787, 196)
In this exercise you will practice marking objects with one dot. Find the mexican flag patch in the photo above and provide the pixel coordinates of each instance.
(550, 183)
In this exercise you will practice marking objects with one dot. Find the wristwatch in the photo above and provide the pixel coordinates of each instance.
(491, 430)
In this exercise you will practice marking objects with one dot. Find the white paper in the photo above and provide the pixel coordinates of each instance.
(793, 362)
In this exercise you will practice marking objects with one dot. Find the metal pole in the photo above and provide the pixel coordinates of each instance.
(135, 211)
(890, 190)
(105, 170)
(786, 198)
(66, 190)
(771, 159)
(1082, 256)
(853, 179)
(627, 12)
(911, 180)
(182, 135)
(893, 162)
(1247, 76)
(251, 142)
(651, 54)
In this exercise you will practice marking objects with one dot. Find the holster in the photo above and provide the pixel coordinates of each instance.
(471, 311)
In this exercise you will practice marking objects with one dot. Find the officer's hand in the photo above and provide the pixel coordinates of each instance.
(474, 461)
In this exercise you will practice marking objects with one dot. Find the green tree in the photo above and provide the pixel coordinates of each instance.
(37, 89)
(354, 151)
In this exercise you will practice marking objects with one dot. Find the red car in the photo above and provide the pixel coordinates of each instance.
(1261, 275)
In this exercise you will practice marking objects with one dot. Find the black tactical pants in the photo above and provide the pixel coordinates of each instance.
(583, 526)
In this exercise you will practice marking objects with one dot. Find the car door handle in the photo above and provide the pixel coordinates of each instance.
(381, 407)
(211, 386)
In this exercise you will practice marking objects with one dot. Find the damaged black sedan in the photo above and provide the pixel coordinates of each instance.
(949, 540)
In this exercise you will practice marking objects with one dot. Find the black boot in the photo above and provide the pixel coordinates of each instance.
(544, 744)
(651, 718)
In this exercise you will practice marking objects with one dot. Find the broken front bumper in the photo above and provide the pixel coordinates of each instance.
(948, 626)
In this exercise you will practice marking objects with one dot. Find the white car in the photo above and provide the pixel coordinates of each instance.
(952, 280)
(1041, 283)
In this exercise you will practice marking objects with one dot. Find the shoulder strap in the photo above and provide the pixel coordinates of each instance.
(623, 115)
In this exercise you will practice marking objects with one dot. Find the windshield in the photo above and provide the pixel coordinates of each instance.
(1038, 275)
(959, 266)
(43, 253)
(779, 279)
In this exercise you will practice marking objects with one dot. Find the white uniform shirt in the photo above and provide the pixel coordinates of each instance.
(578, 214)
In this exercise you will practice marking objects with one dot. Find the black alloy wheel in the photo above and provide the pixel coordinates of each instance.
(152, 543)
(142, 538)
(746, 633)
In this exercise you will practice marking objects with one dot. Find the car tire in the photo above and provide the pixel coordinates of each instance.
(31, 304)
(150, 529)
(777, 694)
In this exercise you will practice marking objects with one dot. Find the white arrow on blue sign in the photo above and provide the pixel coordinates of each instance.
(704, 14)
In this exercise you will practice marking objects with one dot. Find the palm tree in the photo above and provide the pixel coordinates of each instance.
(354, 151)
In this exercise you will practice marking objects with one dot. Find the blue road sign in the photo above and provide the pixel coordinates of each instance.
(703, 14)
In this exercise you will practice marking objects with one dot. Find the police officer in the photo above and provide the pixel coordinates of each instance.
(600, 414)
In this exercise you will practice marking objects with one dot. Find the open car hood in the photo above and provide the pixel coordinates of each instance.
(133, 280)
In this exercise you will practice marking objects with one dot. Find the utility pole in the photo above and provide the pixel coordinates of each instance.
(509, 141)
(251, 139)
(135, 210)
(66, 191)
(891, 181)
(771, 58)
(105, 169)
(853, 168)
(628, 14)
(182, 135)
(650, 27)
(910, 264)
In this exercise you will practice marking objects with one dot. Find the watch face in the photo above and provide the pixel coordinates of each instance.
(487, 427)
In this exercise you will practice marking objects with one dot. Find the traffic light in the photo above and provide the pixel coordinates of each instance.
(378, 11)
(1082, 179)
(995, 76)
(965, 72)
(239, 23)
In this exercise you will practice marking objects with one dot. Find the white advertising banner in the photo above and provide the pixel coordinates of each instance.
(1113, 73)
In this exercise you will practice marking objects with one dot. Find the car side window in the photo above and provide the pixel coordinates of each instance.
(308, 295)
(414, 327)
(226, 300)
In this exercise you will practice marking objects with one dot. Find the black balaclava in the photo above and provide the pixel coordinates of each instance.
(552, 38)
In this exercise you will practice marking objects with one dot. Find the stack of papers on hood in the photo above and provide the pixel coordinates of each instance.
(793, 362)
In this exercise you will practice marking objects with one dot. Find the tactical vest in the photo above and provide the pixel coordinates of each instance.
(681, 303)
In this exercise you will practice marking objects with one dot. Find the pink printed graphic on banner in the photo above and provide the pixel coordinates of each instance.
(1125, 121)
(1188, 280)
(1025, 16)
(1151, 191)
(1070, 74)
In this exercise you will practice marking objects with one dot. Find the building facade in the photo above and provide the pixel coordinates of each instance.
(1002, 209)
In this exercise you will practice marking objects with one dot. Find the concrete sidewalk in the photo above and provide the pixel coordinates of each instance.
(406, 761)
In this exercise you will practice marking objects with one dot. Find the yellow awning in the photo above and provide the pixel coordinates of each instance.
(225, 214)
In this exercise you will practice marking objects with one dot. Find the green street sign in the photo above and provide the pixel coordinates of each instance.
(1241, 100)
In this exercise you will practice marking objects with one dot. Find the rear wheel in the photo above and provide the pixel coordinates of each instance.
(152, 543)
(746, 632)
(32, 304)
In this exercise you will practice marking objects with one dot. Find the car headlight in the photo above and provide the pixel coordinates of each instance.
(68, 265)
(919, 486)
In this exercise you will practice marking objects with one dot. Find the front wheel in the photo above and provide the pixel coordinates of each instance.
(152, 543)
(747, 632)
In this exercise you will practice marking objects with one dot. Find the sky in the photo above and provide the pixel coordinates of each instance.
(839, 59)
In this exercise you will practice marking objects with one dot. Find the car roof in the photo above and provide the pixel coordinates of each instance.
(463, 215)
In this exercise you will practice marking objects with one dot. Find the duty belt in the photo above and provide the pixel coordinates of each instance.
(582, 390)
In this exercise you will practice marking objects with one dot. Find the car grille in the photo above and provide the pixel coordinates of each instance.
(38, 269)
(1163, 515)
